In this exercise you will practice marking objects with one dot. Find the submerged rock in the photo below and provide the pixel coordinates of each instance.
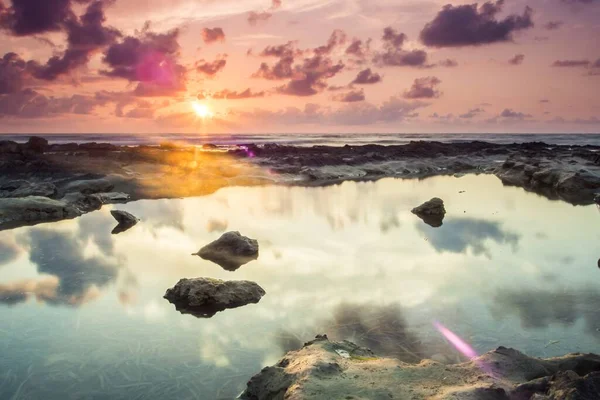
(33, 210)
(126, 221)
(321, 370)
(230, 251)
(431, 212)
(204, 297)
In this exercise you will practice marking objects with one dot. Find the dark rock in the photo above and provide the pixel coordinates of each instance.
(83, 202)
(204, 297)
(24, 188)
(230, 251)
(8, 146)
(431, 212)
(568, 385)
(33, 210)
(126, 221)
(37, 144)
(113, 197)
(91, 186)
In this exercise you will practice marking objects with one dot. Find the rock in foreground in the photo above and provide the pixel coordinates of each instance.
(343, 370)
(126, 221)
(230, 251)
(431, 212)
(204, 297)
(33, 210)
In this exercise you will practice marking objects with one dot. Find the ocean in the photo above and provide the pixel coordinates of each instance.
(302, 139)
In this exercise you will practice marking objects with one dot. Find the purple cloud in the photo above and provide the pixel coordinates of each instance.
(424, 88)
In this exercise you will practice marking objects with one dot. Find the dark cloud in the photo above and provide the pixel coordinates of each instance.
(424, 88)
(148, 58)
(310, 77)
(255, 17)
(367, 77)
(462, 234)
(30, 104)
(282, 69)
(233, 95)
(350, 97)
(19, 292)
(449, 63)
(337, 39)
(571, 63)
(553, 25)
(359, 50)
(13, 73)
(30, 17)
(473, 25)
(394, 54)
(211, 68)
(85, 36)
(509, 113)
(472, 113)
(517, 59)
(212, 35)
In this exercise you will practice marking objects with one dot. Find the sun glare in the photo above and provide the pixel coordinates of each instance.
(202, 110)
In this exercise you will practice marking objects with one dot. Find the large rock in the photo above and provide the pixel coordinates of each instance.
(126, 221)
(230, 251)
(32, 210)
(431, 212)
(90, 186)
(21, 188)
(204, 297)
(37, 144)
(342, 370)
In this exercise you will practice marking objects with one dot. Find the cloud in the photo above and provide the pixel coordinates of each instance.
(255, 17)
(571, 63)
(13, 73)
(213, 67)
(544, 101)
(310, 77)
(473, 25)
(517, 59)
(31, 104)
(462, 234)
(337, 39)
(553, 25)
(148, 58)
(232, 95)
(367, 77)
(212, 35)
(350, 97)
(509, 113)
(282, 69)
(276, 4)
(471, 113)
(580, 1)
(359, 50)
(449, 63)
(424, 88)
(30, 17)
(19, 292)
(395, 55)
(9, 251)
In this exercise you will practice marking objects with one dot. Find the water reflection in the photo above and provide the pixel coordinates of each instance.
(83, 314)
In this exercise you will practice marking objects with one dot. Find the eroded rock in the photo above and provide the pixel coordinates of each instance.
(431, 212)
(204, 297)
(230, 251)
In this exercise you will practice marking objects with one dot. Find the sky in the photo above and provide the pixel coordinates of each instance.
(299, 66)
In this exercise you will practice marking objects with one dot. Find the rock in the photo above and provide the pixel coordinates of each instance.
(91, 186)
(431, 212)
(8, 146)
(230, 251)
(597, 198)
(113, 197)
(321, 370)
(204, 297)
(126, 221)
(32, 210)
(83, 202)
(24, 188)
(37, 144)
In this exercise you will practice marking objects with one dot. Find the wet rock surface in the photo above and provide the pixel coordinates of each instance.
(230, 251)
(125, 221)
(343, 370)
(39, 168)
(204, 297)
(431, 212)
(15, 212)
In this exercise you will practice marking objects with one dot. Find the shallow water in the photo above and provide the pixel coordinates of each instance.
(83, 315)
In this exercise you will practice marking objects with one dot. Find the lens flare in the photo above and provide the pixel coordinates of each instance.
(202, 110)
(457, 342)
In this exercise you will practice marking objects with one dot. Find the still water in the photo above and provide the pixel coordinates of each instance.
(83, 315)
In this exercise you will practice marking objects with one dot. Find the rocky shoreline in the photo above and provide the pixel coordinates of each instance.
(342, 370)
(42, 182)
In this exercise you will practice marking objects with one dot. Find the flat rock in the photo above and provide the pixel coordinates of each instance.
(342, 370)
(431, 212)
(204, 297)
(230, 251)
(126, 221)
(33, 210)
(113, 197)
(90, 186)
(21, 188)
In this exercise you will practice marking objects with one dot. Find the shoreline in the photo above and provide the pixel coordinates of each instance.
(44, 182)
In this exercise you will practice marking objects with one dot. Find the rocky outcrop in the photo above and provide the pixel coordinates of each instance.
(431, 212)
(230, 251)
(126, 221)
(343, 370)
(33, 210)
(204, 297)
(89, 186)
(22, 188)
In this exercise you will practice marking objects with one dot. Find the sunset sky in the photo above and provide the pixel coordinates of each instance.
(327, 66)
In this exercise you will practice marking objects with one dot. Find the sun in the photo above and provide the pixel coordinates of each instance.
(202, 110)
